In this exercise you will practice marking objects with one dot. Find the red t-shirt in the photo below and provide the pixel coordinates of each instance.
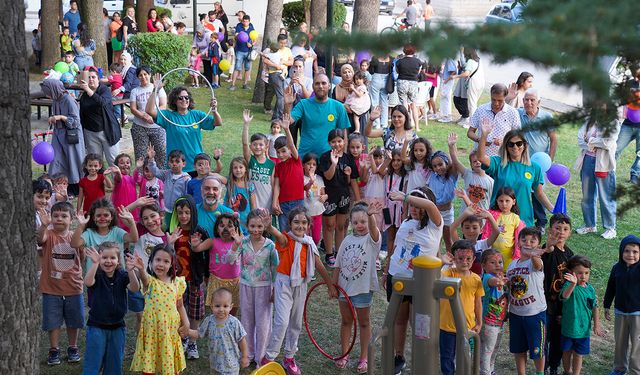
(92, 190)
(291, 176)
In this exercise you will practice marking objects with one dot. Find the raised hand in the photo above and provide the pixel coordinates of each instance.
(246, 116)
(138, 262)
(571, 277)
(452, 139)
(151, 152)
(124, 214)
(92, 254)
(286, 121)
(82, 218)
(218, 152)
(129, 262)
(45, 217)
(237, 237)
(265, 216)
(157, 81)
(460, 193)
(374, 208)
(195, 240)
(375, 113)
(173, 237)
(289, 96)
(347, 170)
(107, 171)
(140, 162)
(334, 157)
(513, 88)
(486, 126)
(214, 104)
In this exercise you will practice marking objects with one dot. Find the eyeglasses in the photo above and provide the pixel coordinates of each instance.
(185, 98)
(515, 144)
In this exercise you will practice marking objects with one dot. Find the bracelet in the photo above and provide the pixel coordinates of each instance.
(216, 158)
(406, 198)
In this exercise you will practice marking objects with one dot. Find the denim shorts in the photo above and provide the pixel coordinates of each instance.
(359, 301)
(242, 61)
(57, 310)
(135, 301)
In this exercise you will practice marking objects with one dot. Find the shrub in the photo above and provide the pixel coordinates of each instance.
(161, 10)
(162, 52)
(293, 14)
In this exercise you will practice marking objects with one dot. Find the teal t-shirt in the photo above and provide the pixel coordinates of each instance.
(93, 239)
(577, 311)
(186, 139)
(207, 219)
(523, 179)
(318, 119)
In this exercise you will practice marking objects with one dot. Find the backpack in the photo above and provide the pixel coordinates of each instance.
(214, 53)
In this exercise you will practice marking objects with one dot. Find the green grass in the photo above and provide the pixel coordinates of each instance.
(603, 253)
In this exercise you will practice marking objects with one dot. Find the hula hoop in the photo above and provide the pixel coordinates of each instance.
(353, 315)
(155, 92)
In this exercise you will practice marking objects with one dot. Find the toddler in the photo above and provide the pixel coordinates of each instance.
(494, 309)
(195, 60)
(358, 101)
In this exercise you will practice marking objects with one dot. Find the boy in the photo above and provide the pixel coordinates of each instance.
(60, 281)
(527, 306)
(288, 184)
(41, 196)
(36, 46)
(261, 168)
(175, 180)
(471, 220)
(622, 285)
(555, 257)
(215, 54)
(60, 185)
(65, 41)
(202, 164)
(478, 185)
(471, 293)
(578, 309)
(68, 59)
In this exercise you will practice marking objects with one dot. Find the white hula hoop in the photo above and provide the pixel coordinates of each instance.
(158, 110)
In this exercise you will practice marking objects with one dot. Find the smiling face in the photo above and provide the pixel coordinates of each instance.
(210, 191)
(238, 170)
(337, 144)
(528, 242)
(396, 163)
(515, 147)
(182, 101)
(562, 231)
(299, 225)
(420, 151)
(355, 148)
(102, 217)
(124, 164)
(360, 223)
(222, 305)
(184, 215)
(41, 199)
(398, 120)
(493, 264)
(93, 166)
(439, 166)
(283, 153)
(471, 229)
(531, 103)
(258, 147)
(151, 220)
(109, 258)
(476, 164)
(631, 254)
(143, 77)
(161, 263)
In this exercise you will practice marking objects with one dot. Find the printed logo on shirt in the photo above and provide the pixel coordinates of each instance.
(528, 175)
(195, 126)
(354, 265)
(331, 117)
(63, 256)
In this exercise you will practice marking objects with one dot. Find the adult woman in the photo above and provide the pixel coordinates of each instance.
(106, 22)
(116, 45)
(129, 78)
(302, 48)
(395, 136)
(408, 69)
(597, 166)
(84, 47)
(515, 97)
(144, 131)
(222, 16)
(129, 26)
(181, 111)
(514, 169)
(65, 117)
(201, 40)
(343, 89)
(470, 86)
(380, 67)
(152, 18)
(101, 128)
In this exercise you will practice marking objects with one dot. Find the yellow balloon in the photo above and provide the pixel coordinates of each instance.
(224, 65)
(253, 35)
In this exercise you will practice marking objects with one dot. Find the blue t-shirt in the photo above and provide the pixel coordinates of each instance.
(186, 139)
(207, 219)
(449, 68)
(318, 119)
(194, 189)
(538, 140)
(74, 21)
(243, 47)
(240, 202)
(224, 339)
(108, 303)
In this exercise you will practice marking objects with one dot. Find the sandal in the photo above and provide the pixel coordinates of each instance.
(362, 366)
(342, 362)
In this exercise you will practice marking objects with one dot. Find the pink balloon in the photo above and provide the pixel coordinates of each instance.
(558, 174)
(633, 115)
(243, 37)
(220, 36)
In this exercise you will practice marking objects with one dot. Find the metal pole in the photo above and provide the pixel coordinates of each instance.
(425, 314)
(329, 57)
(195, 15)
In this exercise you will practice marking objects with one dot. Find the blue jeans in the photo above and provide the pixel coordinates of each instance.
(379, 96)
(539, 212)
(286, 207)
(602, 189)
(626, 136)
(447, 353)
(105, 350)
(276, 82)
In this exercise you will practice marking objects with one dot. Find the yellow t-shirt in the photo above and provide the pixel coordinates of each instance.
(65, 42)
(470, 289)
(505, 243)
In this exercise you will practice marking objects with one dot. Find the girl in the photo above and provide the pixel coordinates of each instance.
(358, 101)
(275, 134)
(314, 195)
(494, 309)
(420, 234)
(230, 56)
(373, 175)
(418, 166)
(443, 183)
(149, 185)
(505, 210)
(223, 272)
(124, 185)
(340, 172)
(357, 146)
(158, 347)
(93, 184)
(299, 259)
(356, 274)
(432, 76)
(240, 196)
(195, 60)
(394, 181)
(259, 259)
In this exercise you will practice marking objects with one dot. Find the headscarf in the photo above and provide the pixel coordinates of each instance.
(129, 64)
(54, 89)
(344, 83)
(442, 155)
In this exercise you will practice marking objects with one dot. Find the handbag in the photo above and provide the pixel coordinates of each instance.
(253, 54)
(390, 85)
(72, 136)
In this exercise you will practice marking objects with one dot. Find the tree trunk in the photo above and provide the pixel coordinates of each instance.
(91, 13)
(20, 307)
(307, 11)
(128, 3)
(319, 14)
(271, 30)
(365, 15)
(142, 9)
(50, 34)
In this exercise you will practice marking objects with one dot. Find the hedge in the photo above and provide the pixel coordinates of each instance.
(162, 52)
(293, 14)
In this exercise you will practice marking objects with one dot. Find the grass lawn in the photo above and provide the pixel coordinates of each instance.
(603, 253)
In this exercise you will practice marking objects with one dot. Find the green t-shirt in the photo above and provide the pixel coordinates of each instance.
(577, 311)
(260, 175)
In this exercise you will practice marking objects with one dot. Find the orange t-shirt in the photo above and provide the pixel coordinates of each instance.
(286, 255)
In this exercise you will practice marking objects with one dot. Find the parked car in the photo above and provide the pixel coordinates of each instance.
(505, 13)
(387, 6)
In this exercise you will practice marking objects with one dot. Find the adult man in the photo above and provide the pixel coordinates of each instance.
(210, 208)
(243, 50)
(499, 114)
(277, 64)
(630, 131)
(319, 116)
(410, 13)
(538, 140)
(72, 18)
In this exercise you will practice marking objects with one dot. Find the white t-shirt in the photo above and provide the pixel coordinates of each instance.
(417, 177)
(140, 95)
(374, 187)
(412, 242)
(272, 138)
(145, 245)
(311, 198)
(477, 183)
(525, 288)
(357, 262)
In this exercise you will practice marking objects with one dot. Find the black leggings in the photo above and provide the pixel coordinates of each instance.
(462, 105)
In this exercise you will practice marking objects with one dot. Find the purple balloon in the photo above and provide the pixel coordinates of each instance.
(43, 153)
(243, 37)
(633, 115)
(558, 174)
(220, 36)
(362, 55)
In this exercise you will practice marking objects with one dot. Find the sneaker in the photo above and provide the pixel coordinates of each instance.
(330, 259)
(54, 357)
(290, 366)
(382, 255)
(245, 87)
(445, 119)
(268, 112)
(232, 87)
(609, 234)
(185, 344)
(399, 364)
(265, 361)
(73, 354)
(433, 116)
(464, 122)
(192, 351)
(585, 230)
(617, 372)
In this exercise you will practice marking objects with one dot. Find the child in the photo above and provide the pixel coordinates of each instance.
(115, 80)
(505, 211)
(527, 306)
(60, 185)
(471, 223)
(358, 101)
(158, 346)
(230, 56)
(106, 332)
(579, 307)
(364, 68)
(299, 259)
(224, 272)
(258, 259)
(36, 46)
(240, 195)
(124, 185)
(471, 293)
(68, 58)
(355, 272)
(623, 279)
(394, 181)
(432, 76)
(443, 183)
(175, 180)
(261, 168)
(314, 195)
(288, 183)
(340, 173)
(93, 184)
(478, 185)
(215, 54)
(357, 149)
(418, 166)
(60, 281)
(555, 258)
(41, 196)
(494, 309)
(271, 137)
(195, 60)
(65, 41)
(228, 351)
(372, 176)
(148, 184)
(202, 164)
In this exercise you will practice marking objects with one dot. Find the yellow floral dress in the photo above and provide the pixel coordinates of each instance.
(158, 347)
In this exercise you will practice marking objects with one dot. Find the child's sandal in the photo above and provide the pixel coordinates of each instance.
(342, 362)
(362, 366)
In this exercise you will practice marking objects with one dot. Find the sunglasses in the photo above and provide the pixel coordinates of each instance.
(185, 98)
(515, 144)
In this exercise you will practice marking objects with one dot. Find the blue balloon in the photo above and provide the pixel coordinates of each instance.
(67, 78)
(558, 174)
(43, 153)
(543, 160)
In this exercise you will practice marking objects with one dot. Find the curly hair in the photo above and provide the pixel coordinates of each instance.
(172, 98)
